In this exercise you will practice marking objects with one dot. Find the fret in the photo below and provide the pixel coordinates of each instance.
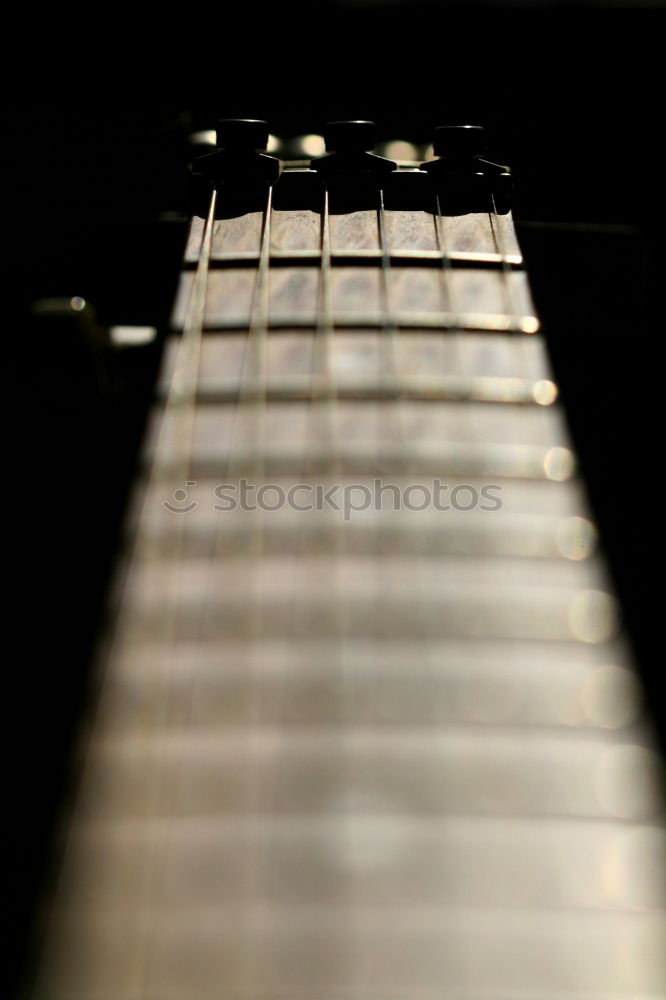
(464, 533)
(478, 862)
(354, 357)
(297, 946)
(420, 771)
(462, 682)
(564, 578)
(519, 613)
(362, 257)
(441, 389)
(434, 459)
(478, 298)
(468, 236)
(518, 437)
(391, 947)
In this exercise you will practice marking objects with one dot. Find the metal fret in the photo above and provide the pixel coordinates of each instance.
(355, 358)
(400, 258)
(477, 299)
(468, 682)
(490, 390)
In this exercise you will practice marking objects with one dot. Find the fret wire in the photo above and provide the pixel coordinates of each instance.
(252, 403)
(405, 320)
(360, 257)
(519, 391)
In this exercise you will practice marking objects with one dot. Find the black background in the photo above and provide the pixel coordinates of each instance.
(96, 117)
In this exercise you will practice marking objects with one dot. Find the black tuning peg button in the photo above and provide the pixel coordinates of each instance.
(459, 140)
(242, 135)
(238, 160)
(348, 151)
(465, 180)
(350, 137)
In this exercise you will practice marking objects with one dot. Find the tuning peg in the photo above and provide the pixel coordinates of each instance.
(350, 137)
(238, 159)
(242, 135)
(348, 150)
(459, 140)
(466, 180)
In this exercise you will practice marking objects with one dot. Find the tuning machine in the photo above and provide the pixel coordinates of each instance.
(239, 158)
(349, 146)
(461, 174)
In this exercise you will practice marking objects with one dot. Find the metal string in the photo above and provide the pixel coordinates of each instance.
(172, 465)
(508, 286)
(248, 459)
(342, 612)
(457, 331)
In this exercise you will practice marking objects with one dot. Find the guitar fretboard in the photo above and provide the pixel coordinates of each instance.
(368, 727)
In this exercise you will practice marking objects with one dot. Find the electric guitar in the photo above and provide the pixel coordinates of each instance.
(366, 725)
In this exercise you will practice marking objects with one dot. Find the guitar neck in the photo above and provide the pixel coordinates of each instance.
(367, 726)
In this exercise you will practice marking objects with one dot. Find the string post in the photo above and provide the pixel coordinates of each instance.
(464, 179)
(349, 146)
(239, 157)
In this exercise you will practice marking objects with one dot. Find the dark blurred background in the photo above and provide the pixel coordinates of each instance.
(96, 115)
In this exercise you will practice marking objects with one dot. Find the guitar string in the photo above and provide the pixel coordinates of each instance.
(247, 423)
(288, 667)
(326, 623)
(172, 464)
(422, 540)
(402, 416)
(468, 429)
(256, 345)
(462, 339)
(342, 610)
(519, 339)
(252, 410)
(411, 655)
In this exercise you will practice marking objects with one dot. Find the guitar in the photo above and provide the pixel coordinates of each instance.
(366, 723)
